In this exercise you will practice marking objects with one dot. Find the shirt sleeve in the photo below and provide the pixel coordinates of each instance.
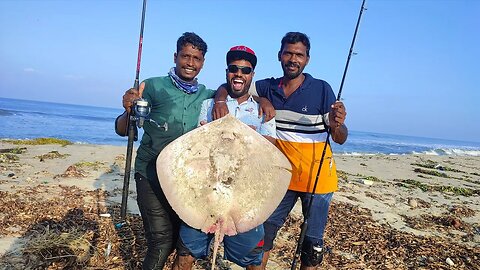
(330, 97)
(205, 111)
(261, 88)
(211, 93)
(147, 92)
(253, 89)
(268, 128)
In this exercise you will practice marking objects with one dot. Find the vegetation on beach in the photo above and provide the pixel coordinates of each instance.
(430, 164)
(9, 155)
(8, 158)
(95, 165)
(444, 189)
(16, 150)
(39, 141)
(344, 175)
(430, 172)
(52, 155)
(341, 174)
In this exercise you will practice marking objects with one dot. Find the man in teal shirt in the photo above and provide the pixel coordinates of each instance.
(176, 100)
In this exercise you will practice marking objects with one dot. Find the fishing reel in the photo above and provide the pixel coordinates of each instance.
(142, 111)
(141, 114)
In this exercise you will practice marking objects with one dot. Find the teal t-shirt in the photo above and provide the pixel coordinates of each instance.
(168, 105)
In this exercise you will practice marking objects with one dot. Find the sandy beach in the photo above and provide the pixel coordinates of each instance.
(59, 205)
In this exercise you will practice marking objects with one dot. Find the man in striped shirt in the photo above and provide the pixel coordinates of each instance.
(306, 108)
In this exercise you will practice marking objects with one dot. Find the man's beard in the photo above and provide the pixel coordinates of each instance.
(236, 94)
(289, 74)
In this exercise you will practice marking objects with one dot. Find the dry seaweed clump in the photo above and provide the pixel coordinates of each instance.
(72, 171)
(67, 231)
(8, 158)
(358, 242)
(95, 165)
(71, 247)
(55, 233)
(16, 150)
(39, 141)
(458, 191)
(78, 169)
(52, 155)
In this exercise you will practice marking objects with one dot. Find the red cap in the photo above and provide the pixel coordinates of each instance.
(242, 52)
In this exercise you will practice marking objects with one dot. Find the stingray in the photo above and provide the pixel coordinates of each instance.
(223, 178)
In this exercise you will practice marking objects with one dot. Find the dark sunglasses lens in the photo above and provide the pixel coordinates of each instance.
(246, 70)
(234, 69)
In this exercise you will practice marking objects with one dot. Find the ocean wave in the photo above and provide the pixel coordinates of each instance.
(452, 152)
(6, 112)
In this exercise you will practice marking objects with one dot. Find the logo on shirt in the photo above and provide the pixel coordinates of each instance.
(304, 109)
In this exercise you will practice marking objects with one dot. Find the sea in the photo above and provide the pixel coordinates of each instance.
(26, 119)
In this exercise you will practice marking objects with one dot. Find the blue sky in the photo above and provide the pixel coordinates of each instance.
(415, 73)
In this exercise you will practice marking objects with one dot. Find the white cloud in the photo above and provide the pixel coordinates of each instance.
(31, 70)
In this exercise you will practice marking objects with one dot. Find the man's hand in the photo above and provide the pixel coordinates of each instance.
(220, 109)
(266, 108)
(121, 123)
(337, 115)
(337, 125)
(131, 95)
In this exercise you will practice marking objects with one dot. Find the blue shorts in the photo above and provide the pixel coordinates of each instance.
(316, 222)
(243, 249)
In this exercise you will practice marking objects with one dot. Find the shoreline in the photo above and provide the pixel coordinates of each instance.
(415, 197)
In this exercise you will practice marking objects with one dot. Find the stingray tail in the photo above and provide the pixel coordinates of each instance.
(218, 239)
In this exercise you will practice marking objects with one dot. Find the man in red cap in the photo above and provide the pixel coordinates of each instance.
(306, 109)
(244, 249)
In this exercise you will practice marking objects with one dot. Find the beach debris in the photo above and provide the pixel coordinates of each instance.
(39, 141)
(16, 150)
(412, 202)
(72, 171)
(386, 248)
(456, 223)
(11, 175)
(45, 245)
(450, 262)
(430, 172)
(8, 158)
(108, 250)
(365, 182)
(211, 177)
(107, 215)
(52, 155)
(94, 165)
(430, 164)
(462, 211)
(342, 175)
(439, 167)
(453, 190)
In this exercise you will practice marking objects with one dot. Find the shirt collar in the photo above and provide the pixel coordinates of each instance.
(230, 99)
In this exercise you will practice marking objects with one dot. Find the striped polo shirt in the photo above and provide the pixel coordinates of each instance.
(301, 131)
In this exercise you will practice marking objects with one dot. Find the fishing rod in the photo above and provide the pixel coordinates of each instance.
(132, 122)
(327, 142)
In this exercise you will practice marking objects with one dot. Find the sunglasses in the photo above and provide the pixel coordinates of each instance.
(235, 68)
